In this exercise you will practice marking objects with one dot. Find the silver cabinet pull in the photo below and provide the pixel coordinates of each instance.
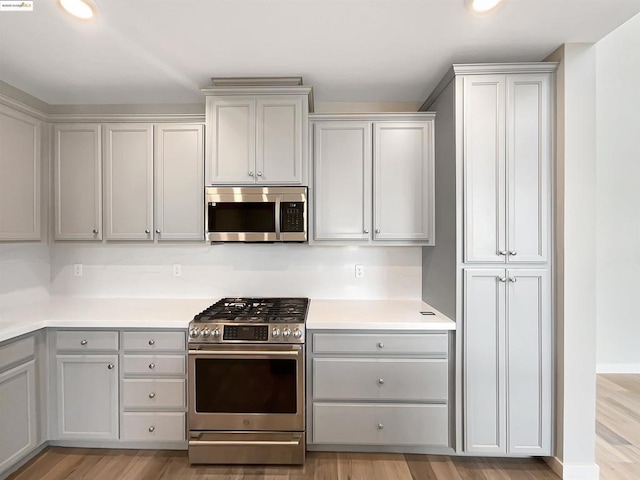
(152, 366)
(502, 252)
(83, 342)
(95, 231)
(147, 231)
(501, 279)
(158, 231)
(377, 230)
(152, 428)
(259, 174)
(152, 395)
(250, 173)
(512, 279)
(380, 345)
(513, 253)
(381, 381)
(110, 366)
(366, 230)
(152, 342)
(380, 426)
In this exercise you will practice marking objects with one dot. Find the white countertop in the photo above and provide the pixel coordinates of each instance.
(375, 315)
(177, 313)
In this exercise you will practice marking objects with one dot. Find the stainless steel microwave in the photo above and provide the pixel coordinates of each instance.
(256, 214)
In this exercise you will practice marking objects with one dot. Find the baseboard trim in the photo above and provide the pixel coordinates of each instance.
(618, 368)
(573, 471)
(16, 466)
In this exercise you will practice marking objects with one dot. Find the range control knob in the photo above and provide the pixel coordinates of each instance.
(206, 332)
(275, 333)
(216, 332)
(194, 332)
(286, 333)
(297, 333)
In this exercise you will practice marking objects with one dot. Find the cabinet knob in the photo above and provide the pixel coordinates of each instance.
(152, 366)
(147, 231)
(366, 230)
(259, 174)
(158, 231)
(502, 252)
(152, 342)
(513, 253)
(501, 279)
(110, 366)
(377, 230)
(95, 231)
(513, 279)
(380, 345)
(250, 173)
(152, 429)
(380, 426)
(381, 381)
(83, 342)
(152, 395)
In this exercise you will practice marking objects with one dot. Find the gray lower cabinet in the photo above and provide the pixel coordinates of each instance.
(378, 391)
(18, 420)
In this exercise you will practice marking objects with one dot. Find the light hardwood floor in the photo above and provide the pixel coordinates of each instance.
(617, 453)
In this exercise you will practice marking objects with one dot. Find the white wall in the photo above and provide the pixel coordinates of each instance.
(24, 273)
(618, 199)
(213, 271)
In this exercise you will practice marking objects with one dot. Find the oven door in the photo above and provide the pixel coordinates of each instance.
(246, 387)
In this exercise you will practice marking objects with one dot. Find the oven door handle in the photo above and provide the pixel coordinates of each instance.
(244, 353)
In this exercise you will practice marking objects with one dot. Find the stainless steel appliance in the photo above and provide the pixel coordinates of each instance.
(246, 381)
(256, 214)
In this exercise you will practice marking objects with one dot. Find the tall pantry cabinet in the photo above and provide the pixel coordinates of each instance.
(494, 151)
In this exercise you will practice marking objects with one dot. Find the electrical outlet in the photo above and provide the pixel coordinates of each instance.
(77, 269)
(177, 270)
(359, 271)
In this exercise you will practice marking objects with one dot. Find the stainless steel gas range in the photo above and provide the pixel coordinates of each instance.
(246, 382)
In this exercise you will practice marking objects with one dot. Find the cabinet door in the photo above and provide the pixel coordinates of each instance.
(279, 140)
(18, 419)
(484, 364)
(179, 182)
(403, 181)
(128, 164)
(528, 167)
(77, 182)
(87, 393)
(529, 362)
(342, 180)
(231, 140)
(19, 176)
(484, 169)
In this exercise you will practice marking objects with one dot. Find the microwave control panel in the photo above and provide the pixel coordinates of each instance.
(292, 217)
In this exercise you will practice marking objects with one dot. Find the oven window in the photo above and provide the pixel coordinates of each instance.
(245, 385)
(242, 217)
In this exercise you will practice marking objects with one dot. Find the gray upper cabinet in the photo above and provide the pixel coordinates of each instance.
(77, 182)
(373, 179)
(257, 139)
(128, 181)
(19, 176)
(507, 151)
(179, 180)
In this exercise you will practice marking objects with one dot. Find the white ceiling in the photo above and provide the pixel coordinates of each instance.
(161, 51)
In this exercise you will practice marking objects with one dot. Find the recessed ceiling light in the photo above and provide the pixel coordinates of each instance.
(482, 6)
(83, 9)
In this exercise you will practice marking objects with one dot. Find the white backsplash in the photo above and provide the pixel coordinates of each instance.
(208, 271)
(24, 273)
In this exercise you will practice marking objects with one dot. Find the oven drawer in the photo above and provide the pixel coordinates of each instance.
(381, 424)
(89, 340)
(154, 364)
(153, 427)
(154, 340)
(380, 379)
(435, 344)
(156, 393)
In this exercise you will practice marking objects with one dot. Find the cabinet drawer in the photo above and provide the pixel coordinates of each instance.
(386, 424)
(154, 393)
(15, 352)
(380, 379)
(150, 341)
(384, 343)
(88, 340)
(153, 427)
(154, 364)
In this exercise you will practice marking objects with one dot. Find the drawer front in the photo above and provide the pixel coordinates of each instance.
(365, 424)
(87, 340)
(380, 379)
(385, 343)
(153, 427)
(154, 393)
(16, 352)
(153, 340)
(154, 364)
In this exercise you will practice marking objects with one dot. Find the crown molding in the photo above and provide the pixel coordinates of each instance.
(372, 117)
(126, 117)
(23, 108)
